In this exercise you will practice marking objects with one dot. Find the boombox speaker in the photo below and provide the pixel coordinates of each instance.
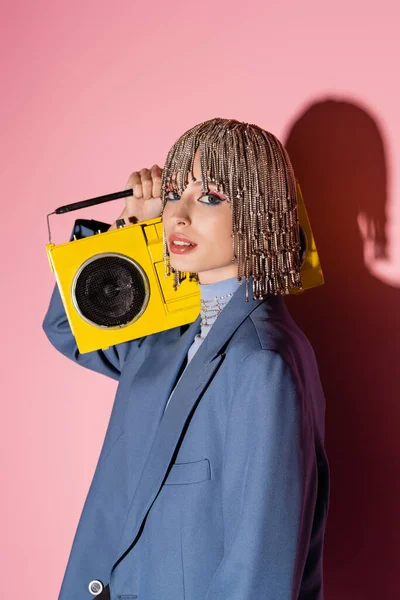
(113, 287)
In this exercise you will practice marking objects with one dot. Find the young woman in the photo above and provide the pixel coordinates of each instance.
(213, 482)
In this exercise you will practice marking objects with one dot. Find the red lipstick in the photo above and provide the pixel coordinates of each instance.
(184, 244)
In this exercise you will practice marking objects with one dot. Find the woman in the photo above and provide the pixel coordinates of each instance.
(213, 482)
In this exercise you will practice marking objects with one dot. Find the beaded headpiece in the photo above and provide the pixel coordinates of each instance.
(252, 169)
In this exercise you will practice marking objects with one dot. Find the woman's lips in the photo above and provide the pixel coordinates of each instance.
(175, 249)
(180, 248)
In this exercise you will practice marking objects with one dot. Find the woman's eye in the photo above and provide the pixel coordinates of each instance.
(210, 199)
(172, 199)
(215, 200)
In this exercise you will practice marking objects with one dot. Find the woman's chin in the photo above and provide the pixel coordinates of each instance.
(189, 266)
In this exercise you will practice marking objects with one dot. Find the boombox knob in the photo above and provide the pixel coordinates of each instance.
(120, 223)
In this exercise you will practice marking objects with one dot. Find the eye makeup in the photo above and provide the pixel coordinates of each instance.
(217, 198)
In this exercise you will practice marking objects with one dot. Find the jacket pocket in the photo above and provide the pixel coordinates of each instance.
(189, 472)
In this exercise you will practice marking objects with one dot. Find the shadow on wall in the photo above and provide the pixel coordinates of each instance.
(353, 323)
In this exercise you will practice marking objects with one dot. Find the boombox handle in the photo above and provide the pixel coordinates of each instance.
(85, 203)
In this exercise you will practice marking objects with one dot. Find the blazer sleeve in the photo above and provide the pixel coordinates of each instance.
(55, 325)
(269, 485)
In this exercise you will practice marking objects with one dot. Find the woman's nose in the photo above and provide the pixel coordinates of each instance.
(180, 213)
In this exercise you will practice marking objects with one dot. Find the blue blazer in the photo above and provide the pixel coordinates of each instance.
(225, 495)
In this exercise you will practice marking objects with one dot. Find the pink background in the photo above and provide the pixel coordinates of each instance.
(94, 90)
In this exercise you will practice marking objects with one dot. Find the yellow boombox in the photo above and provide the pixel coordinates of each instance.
(113, 287)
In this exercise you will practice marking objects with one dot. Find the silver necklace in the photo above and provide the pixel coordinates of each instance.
(210, 309)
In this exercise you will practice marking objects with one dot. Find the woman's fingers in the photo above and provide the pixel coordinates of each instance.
(145, 203)
(156, 174)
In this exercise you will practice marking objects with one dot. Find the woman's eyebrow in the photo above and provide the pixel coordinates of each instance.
(197, 182)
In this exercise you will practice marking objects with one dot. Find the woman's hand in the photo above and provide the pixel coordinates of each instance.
(145, 203)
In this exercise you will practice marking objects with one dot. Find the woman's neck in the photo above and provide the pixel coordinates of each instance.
(214, 297)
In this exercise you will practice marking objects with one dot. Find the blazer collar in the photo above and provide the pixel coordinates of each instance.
(233, 315)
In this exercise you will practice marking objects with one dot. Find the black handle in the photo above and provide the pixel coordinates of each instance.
(92, 201)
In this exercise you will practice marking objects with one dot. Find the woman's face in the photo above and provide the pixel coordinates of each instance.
(206, 222)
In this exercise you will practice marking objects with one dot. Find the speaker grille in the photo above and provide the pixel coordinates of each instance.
(110, 290)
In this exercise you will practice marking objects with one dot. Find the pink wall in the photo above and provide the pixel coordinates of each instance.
(92, 91)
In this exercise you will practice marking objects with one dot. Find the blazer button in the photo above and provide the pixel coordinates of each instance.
(96, 587)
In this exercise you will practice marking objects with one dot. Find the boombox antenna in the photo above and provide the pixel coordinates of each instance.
(48, 226)
(85, 203)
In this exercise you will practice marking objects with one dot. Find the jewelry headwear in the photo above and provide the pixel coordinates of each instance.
(252, 169)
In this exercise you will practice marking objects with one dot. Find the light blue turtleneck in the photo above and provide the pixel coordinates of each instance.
(208, 292)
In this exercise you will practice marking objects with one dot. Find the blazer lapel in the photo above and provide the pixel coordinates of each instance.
(150, 390)
(167, 430)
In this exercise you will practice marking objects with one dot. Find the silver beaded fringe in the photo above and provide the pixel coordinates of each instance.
(251, 167)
